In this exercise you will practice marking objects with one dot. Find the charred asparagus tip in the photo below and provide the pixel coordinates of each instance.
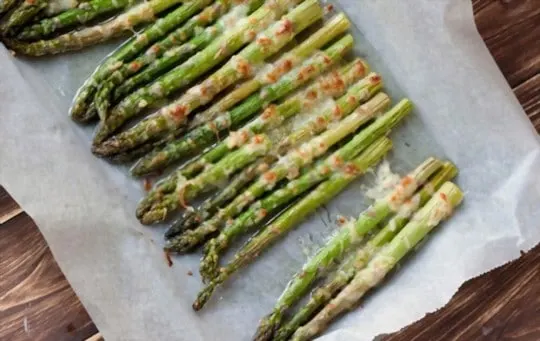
(267, 328)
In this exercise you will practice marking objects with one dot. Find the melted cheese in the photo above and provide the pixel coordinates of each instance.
(385, 181)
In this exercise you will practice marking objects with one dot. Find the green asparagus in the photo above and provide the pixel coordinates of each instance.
(286, 167)
(127, 51)
(341, 242)
(183, 75)
(55, 7)
(304, 155)
(22, 14)
(202, 136)
(263, 208)
(359, 258)
(209, 179)
(287, 220)
(439, 208)
(333, 28)
(7, 5)
(333, 85)
(124, 23)
(191, 218)
(73, 17)
(175, 38)
(239, 67)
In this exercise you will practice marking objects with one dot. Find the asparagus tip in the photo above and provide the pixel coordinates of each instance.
(105, 148)
(209, 264)
(267, 328)
(184, 243)
(154, 216)
(204, 296)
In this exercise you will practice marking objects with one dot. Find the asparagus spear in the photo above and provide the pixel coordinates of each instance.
(294, 215)
(141, 151)
(144, 13)
(333, 28)
(290, 218)
(437, 209)
(359, 258)
(278, 199)
(73, 17)
(55, 7)
(7, 5)
(185, 74)
(175, 38)
(191, 218)
(346, 237)
(305, 154)
(22, 14)
(202, 136)
(127, 51)
(240, 66)
(211, 178)
(333, 85)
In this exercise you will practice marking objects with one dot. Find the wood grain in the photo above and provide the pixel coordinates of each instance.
(511, 31)
(502, 305)
(37, 303)
(8, 207)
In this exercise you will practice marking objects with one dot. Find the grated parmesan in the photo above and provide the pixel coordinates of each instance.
(385, 181)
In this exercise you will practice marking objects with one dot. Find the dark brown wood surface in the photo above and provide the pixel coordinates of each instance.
(37, 303)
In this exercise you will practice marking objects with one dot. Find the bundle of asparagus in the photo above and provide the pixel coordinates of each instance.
(426, 219)
(260, 102)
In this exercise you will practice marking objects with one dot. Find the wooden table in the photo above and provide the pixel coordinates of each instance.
(37, 303)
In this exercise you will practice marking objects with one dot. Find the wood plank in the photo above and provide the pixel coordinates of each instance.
(36, 301)
(528, 94)
(8, 207)
(511, 32)
(503, 304)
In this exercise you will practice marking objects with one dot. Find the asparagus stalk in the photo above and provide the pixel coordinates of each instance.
(294, 189)
(326, 85)
(73, 17)
(202, 136)
(211, 178)
(341, 242)
(316, 125)
(287, 167)
(126, 52)
(333, 28)
(290, 218)
(124, 23)
(175, 38)
(359, 259)
(240, 66)
(141, 151)
(437, 209)
(7, 5)
(185, 74)
(55, 7)
(333, 85)
(191, 218)
(22, 14)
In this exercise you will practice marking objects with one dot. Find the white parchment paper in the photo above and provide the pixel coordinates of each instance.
(428, 51)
